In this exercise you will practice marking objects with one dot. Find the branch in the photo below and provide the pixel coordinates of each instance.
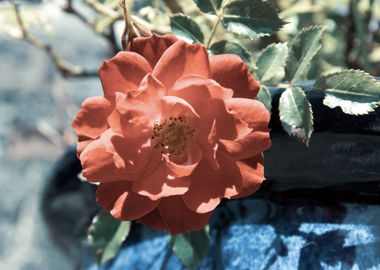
(65, 68)
(116, 15)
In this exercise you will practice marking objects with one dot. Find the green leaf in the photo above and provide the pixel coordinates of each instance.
(271, 62)
(225, 47)
(209, 6)
(354, 91)
(265, 97)
(251, 18)
(186, 28)
(105, 235)
(191, 247)
(303, 48)
(296, 114)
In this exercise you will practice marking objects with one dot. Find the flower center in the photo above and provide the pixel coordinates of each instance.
(171, 136)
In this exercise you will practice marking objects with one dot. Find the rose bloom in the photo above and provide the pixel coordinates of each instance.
(176, 131)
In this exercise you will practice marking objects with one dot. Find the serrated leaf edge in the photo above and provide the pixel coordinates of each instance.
(307, 138)
(274, 45)
(373, 105)
(303, 30)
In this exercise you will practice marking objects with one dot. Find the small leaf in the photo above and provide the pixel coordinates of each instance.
(186, 28)
(271, 62)
(251, 18)
(355, 91)
(191, 247)
(265, 97)
(105, 235)
(226, 47)
(209, 6)
(296, 114)
(303, 48)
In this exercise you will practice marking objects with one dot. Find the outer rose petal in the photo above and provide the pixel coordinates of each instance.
(158, 184)
(91, 121)
(208, 186)
(152, 47)
(256, 116)
(153, 220)
(252, 144)
(123, 73)
(231, 72)
(179, 60)
(252, 171)
(252, 112)
(178, 218)
(123, 203)
(97, 160)
(225, 123)
(82, 144)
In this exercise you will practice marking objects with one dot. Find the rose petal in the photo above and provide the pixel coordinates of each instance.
(178, 218)
(122, 202)
(174, 106)
(82, 144)
(194, 156)
(153, 220)
(231, 72)
(152, 48)
(179, 60)
(225, 123)
(151, 88)
(252, 112)
(194, 89)
(132, 117)
(251, 145)
(123, 73)
(209, 144)
(97, 159)
(131, 156)
(208, 186)
(91, 121)
(252, 171)
(159, 184)
(257, 117)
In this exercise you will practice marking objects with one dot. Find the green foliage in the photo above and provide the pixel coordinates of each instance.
(225, 47)
(271, 62)
(191, 247)
(296, 114)
(303, 48)
(354, 91)
(186, 28)
(209, 6)
(251, 18)
(105, 235)
(265, 97)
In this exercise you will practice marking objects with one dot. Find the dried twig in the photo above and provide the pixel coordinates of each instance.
(65, 68)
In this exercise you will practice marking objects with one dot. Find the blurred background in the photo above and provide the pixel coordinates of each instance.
(49, 55)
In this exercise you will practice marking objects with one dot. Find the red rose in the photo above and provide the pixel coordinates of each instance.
(176, 131)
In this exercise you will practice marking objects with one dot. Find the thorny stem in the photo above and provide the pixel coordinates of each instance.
(66, 69)
(213, 31)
